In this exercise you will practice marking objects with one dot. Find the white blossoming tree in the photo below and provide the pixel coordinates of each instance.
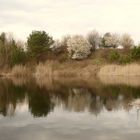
(78, 47)
(112, 40)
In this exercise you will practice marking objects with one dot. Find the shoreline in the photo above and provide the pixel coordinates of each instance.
(72, 70)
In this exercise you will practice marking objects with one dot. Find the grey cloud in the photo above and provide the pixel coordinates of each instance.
(61, 17)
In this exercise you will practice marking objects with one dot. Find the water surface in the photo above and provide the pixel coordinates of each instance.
(76, 111)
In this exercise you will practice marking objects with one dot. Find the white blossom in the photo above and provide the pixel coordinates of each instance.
(112, 41)
(78, 47)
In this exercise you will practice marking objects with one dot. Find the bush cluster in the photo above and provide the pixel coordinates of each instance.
(114, 56)
(117, 57)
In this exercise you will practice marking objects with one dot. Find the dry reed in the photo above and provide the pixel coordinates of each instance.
(56, 69)
(120, 80)
(118, 70)
(20, 71)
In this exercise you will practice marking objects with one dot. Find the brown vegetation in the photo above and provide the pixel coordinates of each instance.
(20, 71)
(120, 80)
(120, 70)
(68, 69)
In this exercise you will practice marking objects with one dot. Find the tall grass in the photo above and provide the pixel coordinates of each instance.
(20, 71)
(51, 71)
(120, 70)
(69, 69)
(43, 74)
(44, 69)
(120, 80)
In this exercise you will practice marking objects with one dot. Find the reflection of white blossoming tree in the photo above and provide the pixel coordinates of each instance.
(78, 47)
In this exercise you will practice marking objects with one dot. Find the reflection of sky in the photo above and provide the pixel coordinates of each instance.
(64, 125)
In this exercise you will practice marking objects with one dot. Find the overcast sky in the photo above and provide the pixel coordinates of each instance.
(60, 17)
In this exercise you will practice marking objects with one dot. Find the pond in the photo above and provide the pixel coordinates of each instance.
(68, 110)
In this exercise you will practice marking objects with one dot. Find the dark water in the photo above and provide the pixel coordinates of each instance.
(68, 112)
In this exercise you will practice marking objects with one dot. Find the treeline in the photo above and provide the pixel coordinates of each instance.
(40, 44)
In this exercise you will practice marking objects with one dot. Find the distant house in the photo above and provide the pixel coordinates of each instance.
(120, 47)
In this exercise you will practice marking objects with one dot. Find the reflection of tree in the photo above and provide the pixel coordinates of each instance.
(39, 103)
(78, 100)
(42, 100)
(9, 97)
(108, 97)
(96, 105)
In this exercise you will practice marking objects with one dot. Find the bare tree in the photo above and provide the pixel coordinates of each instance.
(94, 39)
(64, 40)
(56, 45)
(126, 41)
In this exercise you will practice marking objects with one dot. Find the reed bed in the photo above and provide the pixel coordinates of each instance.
(120, 70)
(56, 69)
(120, 80)
(20, 71)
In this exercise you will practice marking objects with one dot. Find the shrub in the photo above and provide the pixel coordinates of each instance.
(135, 53)
(124, 59)
(114, 56)
(18, 56)
(78, 47)
(38, 42)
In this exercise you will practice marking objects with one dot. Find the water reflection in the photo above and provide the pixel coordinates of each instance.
(41, 100)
